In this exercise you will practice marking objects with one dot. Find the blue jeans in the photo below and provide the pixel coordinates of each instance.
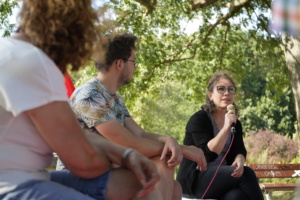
(63, 186)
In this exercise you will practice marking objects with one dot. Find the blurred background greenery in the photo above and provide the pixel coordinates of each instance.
(182, 43)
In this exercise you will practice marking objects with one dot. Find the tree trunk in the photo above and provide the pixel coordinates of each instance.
(291, 47)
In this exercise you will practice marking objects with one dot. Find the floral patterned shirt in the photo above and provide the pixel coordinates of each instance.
(93, 104)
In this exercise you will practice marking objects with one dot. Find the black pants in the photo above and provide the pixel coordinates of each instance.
(226, 187)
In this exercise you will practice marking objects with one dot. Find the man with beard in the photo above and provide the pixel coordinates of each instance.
(100, 109)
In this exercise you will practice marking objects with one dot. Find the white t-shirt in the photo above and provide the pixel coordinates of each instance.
(28, 79)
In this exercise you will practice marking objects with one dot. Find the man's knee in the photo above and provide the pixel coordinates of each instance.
(125, 182)
(177, 194)
(164, 171)
(162, 165)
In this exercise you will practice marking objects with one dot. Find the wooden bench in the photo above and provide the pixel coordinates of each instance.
(276, 171)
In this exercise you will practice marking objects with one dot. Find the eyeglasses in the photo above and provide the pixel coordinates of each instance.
(135, 63)
(222, 89)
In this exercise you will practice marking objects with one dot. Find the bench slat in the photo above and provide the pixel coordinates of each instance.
(278, 186)
(276, 174)
(276, 171)
(263, 167)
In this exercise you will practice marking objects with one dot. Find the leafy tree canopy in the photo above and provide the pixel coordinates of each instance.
(6, 7)
(176, 64)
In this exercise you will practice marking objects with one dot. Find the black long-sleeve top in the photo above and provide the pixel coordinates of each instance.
(199, 131)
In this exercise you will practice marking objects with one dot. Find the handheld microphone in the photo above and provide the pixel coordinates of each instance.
(231, 107)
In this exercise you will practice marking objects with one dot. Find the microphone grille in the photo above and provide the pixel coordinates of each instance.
(230, 107)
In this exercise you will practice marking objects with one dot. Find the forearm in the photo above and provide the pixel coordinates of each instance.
(195, 154)
(94, 160)
(143, 169)
(156, 137)
(112, 151)
(217, 143)
(135, 129)
(185, 152)
(84, 160)
(189, 152)
(145, 146)
(130, 137)
(240, 158)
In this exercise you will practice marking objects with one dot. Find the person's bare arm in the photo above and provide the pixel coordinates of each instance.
(239, 165)
(171, 146)
(82, 154)
(58, 126)
(218, 142)
(115, 132)
(144, 169)
(195, 154)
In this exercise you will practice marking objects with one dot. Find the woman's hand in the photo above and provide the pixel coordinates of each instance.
(230, 118)
(239, 165)
(172, 149)
(195, 154)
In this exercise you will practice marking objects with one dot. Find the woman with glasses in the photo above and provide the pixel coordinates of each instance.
(218, 133)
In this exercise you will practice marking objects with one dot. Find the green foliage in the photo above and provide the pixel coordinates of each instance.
(166, 111)
(175, 60)
(6, 7)
(83, 75)
(170, 55)
(170, 83)
(269, 113)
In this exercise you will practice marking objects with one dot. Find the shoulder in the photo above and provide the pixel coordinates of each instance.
(199, 118)
(31, 73)
(89, 88)
(238, 124)
(120, 98)
(26, 53)
(238, 127)
(118, 95)
(23, 58)
(201, 114)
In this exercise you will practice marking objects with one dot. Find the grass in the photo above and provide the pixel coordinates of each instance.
(283, 195)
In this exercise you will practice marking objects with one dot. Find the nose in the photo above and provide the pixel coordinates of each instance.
(226, 92)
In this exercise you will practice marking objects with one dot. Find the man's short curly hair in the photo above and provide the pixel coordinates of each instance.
(64, 29)
(115, 46)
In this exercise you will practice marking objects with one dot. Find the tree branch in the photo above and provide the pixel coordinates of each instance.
(264, 26)
(196, 4)
(223, 43)
(235, 7)
(149, 4)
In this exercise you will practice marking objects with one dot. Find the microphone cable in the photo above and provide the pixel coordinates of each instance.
(232, 131)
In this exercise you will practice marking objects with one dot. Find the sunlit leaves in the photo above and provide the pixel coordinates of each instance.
(6, 8)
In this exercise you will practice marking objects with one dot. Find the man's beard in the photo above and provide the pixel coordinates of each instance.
(124, 80)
